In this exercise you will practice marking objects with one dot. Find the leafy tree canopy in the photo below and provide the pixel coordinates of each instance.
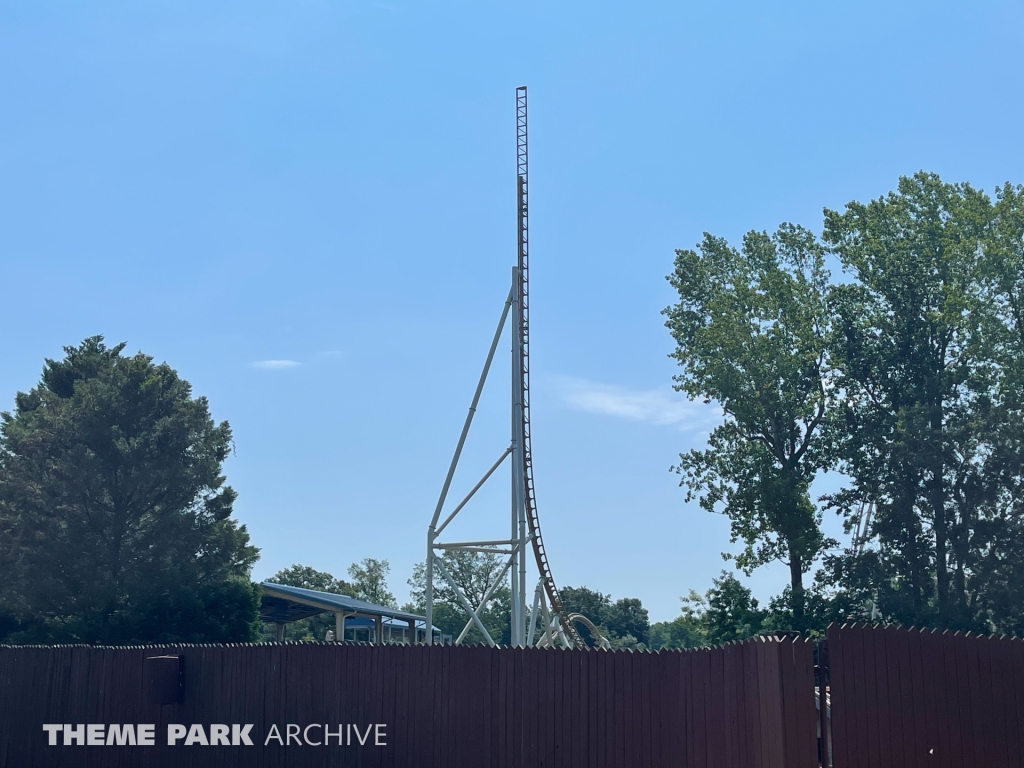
(115, 517)
(928, 343)
(370, 582)
(727, 612)
(309, 578)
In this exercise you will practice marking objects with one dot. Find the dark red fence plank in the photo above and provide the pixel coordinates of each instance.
(887, 681)
(1009, 699)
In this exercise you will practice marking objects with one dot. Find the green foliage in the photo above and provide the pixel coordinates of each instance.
(907, 377)
(923, 349)
(751, 328)
(730, 612)
(304, 577)
(684, 631)
(370, 582)
(627, 617)
(115, 518)
(929, 348)
(727, 612)
(473, 573)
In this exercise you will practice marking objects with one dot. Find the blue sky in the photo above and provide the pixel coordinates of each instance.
(331, 183)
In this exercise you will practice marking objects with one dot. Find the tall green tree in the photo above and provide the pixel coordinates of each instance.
(115, 516)
(999, 532)
(370, 582)
(927, 341)
(751, 328)
(626, 618)
(730, 611)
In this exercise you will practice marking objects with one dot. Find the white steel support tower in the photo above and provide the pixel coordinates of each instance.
(545, 622)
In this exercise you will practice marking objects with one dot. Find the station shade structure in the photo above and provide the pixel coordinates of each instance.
(282, 604)
(546, 622)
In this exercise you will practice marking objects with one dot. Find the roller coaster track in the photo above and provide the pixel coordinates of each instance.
(533, 519)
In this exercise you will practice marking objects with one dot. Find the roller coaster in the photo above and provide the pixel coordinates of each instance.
(546, 623)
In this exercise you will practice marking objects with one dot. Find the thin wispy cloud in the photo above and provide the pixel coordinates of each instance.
(275, 365)
(662, 407)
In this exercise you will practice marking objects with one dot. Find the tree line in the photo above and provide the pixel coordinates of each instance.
(707, 619)
(886, 352)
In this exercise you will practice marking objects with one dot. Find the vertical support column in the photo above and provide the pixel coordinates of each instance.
(279, 633)
(537, 597)
(517, 464)
(378, 630)
(428, 594)
(339, 626)
(411, 636)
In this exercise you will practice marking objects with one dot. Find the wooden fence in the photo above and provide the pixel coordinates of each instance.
(748, 705)
(925, 699)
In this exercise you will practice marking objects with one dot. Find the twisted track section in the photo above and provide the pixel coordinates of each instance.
(533, 519)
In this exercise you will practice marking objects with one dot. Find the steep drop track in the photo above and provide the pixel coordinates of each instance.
(522, 162)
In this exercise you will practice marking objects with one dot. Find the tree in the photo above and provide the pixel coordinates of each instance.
(473, 573)
(309, 578)
(684, 631)
(315, 627)
(370, 582)
(728, 611)
(928, 346)
(627, 617)
(731, 611)
(751, 330)
(997, 578)
(116, 518)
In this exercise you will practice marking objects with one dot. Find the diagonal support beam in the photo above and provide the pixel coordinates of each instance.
(487, 594)
(472, 408)
(476, 488)
(465, 603)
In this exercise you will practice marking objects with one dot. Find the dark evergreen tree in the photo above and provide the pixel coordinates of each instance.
(115, 517)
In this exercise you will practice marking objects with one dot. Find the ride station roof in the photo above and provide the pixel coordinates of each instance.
(282, 604)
